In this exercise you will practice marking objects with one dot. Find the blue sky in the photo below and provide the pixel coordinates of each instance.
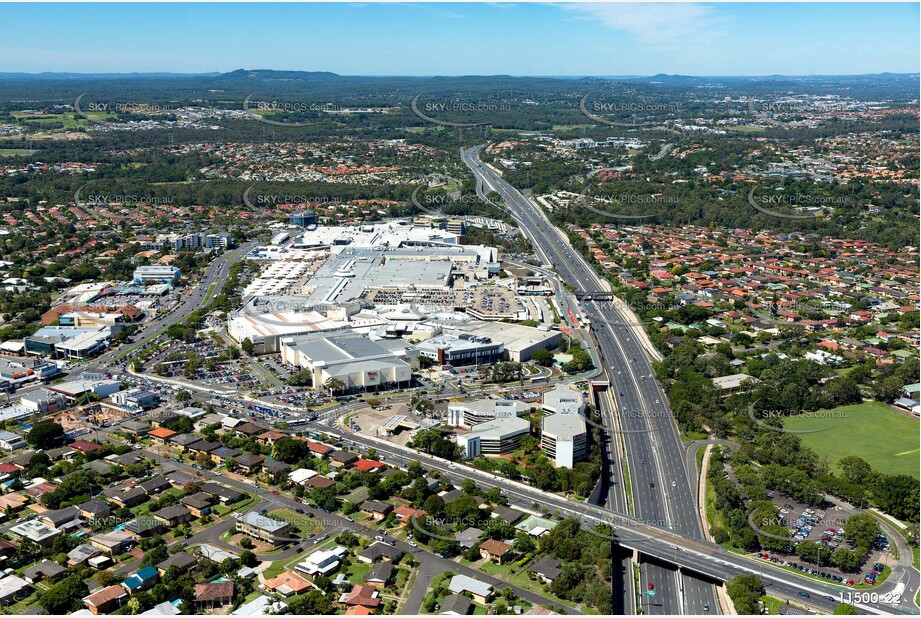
(464, 39)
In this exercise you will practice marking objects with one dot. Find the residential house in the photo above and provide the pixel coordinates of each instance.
(376, 509)
(406, 514)
(13, 588)
(106, 600)
(213, 595)
(174, 515)
(455, 605)
(547, 569)
(248, 429)
(248, 463)
(112, 543)
(183, 440)
(287, 584)
(380, 575)
(366, 596)
(380, 551)
(161, 434)
(95, 509)
(61, 517)
(46, 569)
(342, 459)
(481, 591)
(142, 579)
(221, 454)
(368, 465)
(226, 495)
(199, 504)
(180, 480)
(126, 497)
(144, 526)
(155, 485)
(495, 551)
(182, 561)
(81, 555)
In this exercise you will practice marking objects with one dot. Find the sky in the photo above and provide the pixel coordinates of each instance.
(571, 39)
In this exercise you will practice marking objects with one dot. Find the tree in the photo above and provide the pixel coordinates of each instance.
(247, 345)
(898, 495)
(105, 578)
(183, 396)
(248, 558)
(64, 596)
(861, 529)
(334, 385)
(45, 436)
(324, 497)
(290, 450)
(246, 543)
(745, 591)
(543, 357)
(855, 470)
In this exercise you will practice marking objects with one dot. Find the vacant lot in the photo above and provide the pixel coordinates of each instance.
(887, 439)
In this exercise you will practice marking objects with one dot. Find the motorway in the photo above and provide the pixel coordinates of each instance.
(663, 498)
(661, 494)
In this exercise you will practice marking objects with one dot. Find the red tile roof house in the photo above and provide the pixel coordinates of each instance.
(84, 447)
(405, 514)
(106, 600)
(320, 450)
(161, 433)
(213, 595)
(366, 596)
(368, 465)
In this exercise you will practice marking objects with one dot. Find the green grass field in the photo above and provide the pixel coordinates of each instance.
(886, 439)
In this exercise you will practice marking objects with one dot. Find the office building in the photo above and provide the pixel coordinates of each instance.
(460, 350)
(145, 275)
(564, 439)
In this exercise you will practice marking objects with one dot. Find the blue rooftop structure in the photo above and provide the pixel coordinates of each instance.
(140, 578)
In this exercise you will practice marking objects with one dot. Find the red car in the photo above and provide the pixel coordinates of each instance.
(275, 491)
(651, 587)
(297, 499)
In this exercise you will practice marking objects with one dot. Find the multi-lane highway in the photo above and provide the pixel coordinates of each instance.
(661, 495)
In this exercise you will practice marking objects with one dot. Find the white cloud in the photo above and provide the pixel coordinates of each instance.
(658, 25)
